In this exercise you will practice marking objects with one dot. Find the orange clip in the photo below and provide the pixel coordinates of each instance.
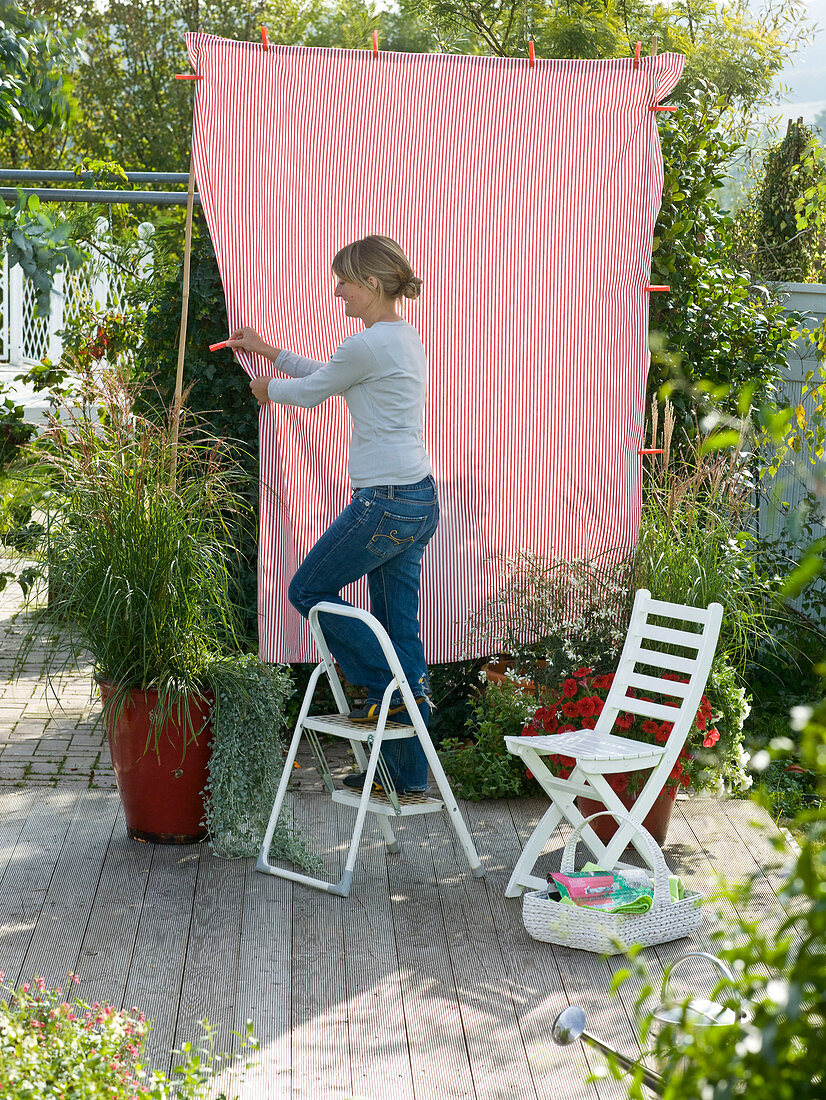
(658, 288)
(264, 39)
(531, 56)
(637, 55)
(221, 344)
(375, 43)
(187, 76)
(658, 108)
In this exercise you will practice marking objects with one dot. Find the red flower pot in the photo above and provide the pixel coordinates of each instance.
(160, 784)
(656, 820)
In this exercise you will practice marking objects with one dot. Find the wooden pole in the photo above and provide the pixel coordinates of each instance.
(179, 376)
(654, 41)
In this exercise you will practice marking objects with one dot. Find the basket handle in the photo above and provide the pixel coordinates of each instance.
(662, 896)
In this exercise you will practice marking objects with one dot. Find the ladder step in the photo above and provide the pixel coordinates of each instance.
(379, 803)
(339, 725)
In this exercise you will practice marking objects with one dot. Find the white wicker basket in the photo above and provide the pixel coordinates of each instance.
(610, 933)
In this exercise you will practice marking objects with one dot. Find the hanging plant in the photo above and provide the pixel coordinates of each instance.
(247, 760)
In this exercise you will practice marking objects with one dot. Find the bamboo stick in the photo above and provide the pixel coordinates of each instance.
(179, 375)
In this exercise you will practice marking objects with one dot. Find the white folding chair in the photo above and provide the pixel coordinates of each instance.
(599, 753)
(386, 805)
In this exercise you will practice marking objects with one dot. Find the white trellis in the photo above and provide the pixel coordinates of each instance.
(27, 338)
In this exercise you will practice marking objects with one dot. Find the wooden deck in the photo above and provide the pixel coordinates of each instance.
(422, 984)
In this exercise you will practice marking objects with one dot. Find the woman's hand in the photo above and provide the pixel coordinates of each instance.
(259, 388)
(247, 339)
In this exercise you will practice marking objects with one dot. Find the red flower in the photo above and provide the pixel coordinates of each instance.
(685, 779)
(530, 731)
(551, 724)
(700, 722)
(586, 707)
(580, 672)
(570, 688)
(589, 723)
(650, 727)
(567, 729)
(599, 704)
(662, 733)
(711, 738)
(602, 683)
(618, 781)
(570, 710)
(625, 721)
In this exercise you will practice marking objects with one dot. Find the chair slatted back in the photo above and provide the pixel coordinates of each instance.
(649, 645)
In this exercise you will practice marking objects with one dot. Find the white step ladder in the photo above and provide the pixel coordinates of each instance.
(386, 805)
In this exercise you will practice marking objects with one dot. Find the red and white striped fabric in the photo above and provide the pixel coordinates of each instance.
(526, 199)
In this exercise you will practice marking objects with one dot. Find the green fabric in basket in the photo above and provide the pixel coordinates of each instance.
(633, 892)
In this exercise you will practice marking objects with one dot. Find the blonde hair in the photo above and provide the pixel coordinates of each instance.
(379, 258)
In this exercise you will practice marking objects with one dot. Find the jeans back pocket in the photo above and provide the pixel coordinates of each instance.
(395, 533)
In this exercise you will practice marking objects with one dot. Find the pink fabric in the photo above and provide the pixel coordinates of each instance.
(526, 200)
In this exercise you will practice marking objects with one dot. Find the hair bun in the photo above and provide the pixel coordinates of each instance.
(412, 288)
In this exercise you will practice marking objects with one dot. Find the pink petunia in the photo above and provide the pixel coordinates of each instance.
(711, 738)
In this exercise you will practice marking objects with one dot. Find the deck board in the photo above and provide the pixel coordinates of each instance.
(422, 985)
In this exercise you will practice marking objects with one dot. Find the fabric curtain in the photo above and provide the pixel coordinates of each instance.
(526, 199)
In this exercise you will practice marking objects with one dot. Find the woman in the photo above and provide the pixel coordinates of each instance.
(394, 511)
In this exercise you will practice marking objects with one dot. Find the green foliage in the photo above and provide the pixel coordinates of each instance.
(480, 766)
(730, 53)
(694, 546)
(715, 330)
(776, 1053)
(54, 1045)
(217, 392)
(34, 59)
(139, 564)
(14, 431)
(37, 238)
(247, 760)
(781, 228)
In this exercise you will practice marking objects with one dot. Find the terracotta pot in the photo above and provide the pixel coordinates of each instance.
(656, 820)
(160, 787)
(495, 673)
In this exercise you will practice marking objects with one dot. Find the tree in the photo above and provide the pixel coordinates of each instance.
(34, 95)
(133, 111)
(34, 72)
(730, 53)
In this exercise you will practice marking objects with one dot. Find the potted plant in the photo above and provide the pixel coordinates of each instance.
(577, 702)
(139, 568)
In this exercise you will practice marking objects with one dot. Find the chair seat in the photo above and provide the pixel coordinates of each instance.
(588, 745)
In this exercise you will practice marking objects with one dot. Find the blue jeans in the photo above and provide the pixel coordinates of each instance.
(382, 533)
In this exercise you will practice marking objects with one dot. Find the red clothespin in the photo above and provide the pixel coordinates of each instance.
(650, 451)
(187, 76)
(264, 40)
(220, 344)
(657, 107)
(637, 55)
(658, 288)
(375, 43)
(531, 56)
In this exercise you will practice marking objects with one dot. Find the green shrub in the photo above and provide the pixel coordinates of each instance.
(479, 766)
(56, 1047)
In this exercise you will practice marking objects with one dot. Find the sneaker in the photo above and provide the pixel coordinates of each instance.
(355, 782)
(370, 712)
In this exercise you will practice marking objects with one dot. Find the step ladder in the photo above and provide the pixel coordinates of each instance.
(385, 805)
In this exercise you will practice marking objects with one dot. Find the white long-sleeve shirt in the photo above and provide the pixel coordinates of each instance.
(382, 374)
